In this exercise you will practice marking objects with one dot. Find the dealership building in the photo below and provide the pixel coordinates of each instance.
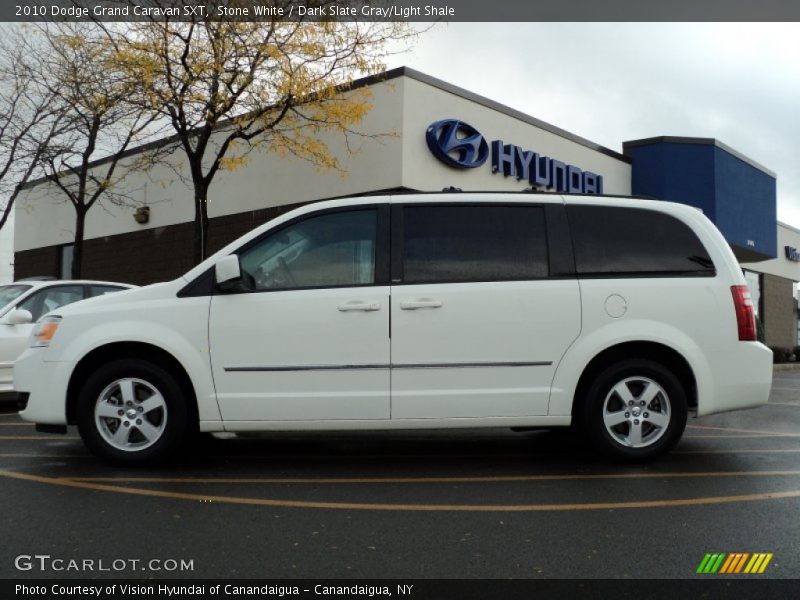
(422, 134)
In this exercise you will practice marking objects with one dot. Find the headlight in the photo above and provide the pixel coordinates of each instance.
(44, 331)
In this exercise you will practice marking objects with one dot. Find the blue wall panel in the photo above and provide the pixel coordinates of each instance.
(746, 209)
(675, 172)
(738, 197)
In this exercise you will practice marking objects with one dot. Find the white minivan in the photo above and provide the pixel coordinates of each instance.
(618, 315)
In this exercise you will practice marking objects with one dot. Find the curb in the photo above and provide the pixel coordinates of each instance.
(786, 367)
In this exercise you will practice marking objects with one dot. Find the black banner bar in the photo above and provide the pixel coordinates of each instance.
(721, 588)
(404, 10)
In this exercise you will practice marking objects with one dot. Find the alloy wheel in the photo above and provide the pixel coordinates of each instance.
(636, 412)
(130, 414)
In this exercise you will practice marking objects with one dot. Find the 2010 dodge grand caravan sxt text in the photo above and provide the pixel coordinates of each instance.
(444, 310)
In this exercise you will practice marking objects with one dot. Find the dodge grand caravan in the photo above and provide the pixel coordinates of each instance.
(618, 316)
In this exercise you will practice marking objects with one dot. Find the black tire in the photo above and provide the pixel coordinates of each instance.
(174, 430)
(634, 375)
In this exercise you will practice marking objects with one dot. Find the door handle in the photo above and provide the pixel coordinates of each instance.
(420, 303)
(358, 305)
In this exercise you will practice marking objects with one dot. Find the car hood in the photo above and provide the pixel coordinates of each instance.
(155, 291)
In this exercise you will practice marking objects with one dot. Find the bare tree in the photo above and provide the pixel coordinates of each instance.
(227, 88)
(29, 120)
(84, 161)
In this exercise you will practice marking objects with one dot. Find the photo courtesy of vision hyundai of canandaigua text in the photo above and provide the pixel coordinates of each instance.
(620, 317)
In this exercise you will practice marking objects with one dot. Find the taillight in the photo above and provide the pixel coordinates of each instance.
(745, 313)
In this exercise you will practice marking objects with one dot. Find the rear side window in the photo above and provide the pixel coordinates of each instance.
(635, 241)
(473, 243)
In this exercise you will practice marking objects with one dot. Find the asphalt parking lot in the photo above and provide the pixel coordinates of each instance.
(439, 504)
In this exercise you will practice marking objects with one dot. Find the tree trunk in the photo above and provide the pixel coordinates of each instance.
(77, 249)
(6, 212)
(200, 224)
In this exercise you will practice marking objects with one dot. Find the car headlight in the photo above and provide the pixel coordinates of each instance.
(44, 331)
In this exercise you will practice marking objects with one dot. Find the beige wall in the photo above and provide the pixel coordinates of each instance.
(403, 108)
(778, 311)
(781, 266)
(424, 104)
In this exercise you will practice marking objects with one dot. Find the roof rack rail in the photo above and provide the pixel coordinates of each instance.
(452, 188)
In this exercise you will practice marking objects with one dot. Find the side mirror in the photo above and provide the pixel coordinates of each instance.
(19, 316)
(227, 272)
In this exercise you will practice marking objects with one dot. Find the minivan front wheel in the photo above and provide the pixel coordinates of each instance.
(635, 409)
(132, 412)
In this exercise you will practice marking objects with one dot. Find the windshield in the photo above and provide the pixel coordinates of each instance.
(9, 293)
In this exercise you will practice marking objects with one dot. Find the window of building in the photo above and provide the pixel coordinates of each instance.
(619, 241)
(473, 243)
(330, 250)
(65, 261)
(796, 319)
(753, 280)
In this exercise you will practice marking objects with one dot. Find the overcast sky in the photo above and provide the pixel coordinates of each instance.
(738, 82)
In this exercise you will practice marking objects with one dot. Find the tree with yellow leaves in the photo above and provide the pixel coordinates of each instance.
(227, 88)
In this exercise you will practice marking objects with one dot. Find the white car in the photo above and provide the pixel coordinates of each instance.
(416, 311)
(23, 302)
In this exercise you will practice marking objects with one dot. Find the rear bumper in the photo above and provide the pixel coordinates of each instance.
(742, 378)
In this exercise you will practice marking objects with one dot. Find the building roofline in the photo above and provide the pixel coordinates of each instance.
(379, 78)
(497, 106)
(787, 226)
(670, 139)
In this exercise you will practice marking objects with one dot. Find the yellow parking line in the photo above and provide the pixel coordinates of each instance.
(23, 455)
(38, 437)
(401, 507)
(775, 433)
(725, 437)
(455, 479)
(745, 451)
(742, 451)
(333, 456)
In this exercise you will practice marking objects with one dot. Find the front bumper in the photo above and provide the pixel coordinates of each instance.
(45, 383)
(6, 377)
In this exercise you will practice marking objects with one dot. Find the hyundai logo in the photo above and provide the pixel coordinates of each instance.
(457, 144)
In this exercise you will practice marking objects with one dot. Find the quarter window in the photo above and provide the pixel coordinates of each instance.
(329, 250)
(473, 243)
(634, 241)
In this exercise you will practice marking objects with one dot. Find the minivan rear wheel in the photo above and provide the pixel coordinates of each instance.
(635, 409)
(132, 412)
